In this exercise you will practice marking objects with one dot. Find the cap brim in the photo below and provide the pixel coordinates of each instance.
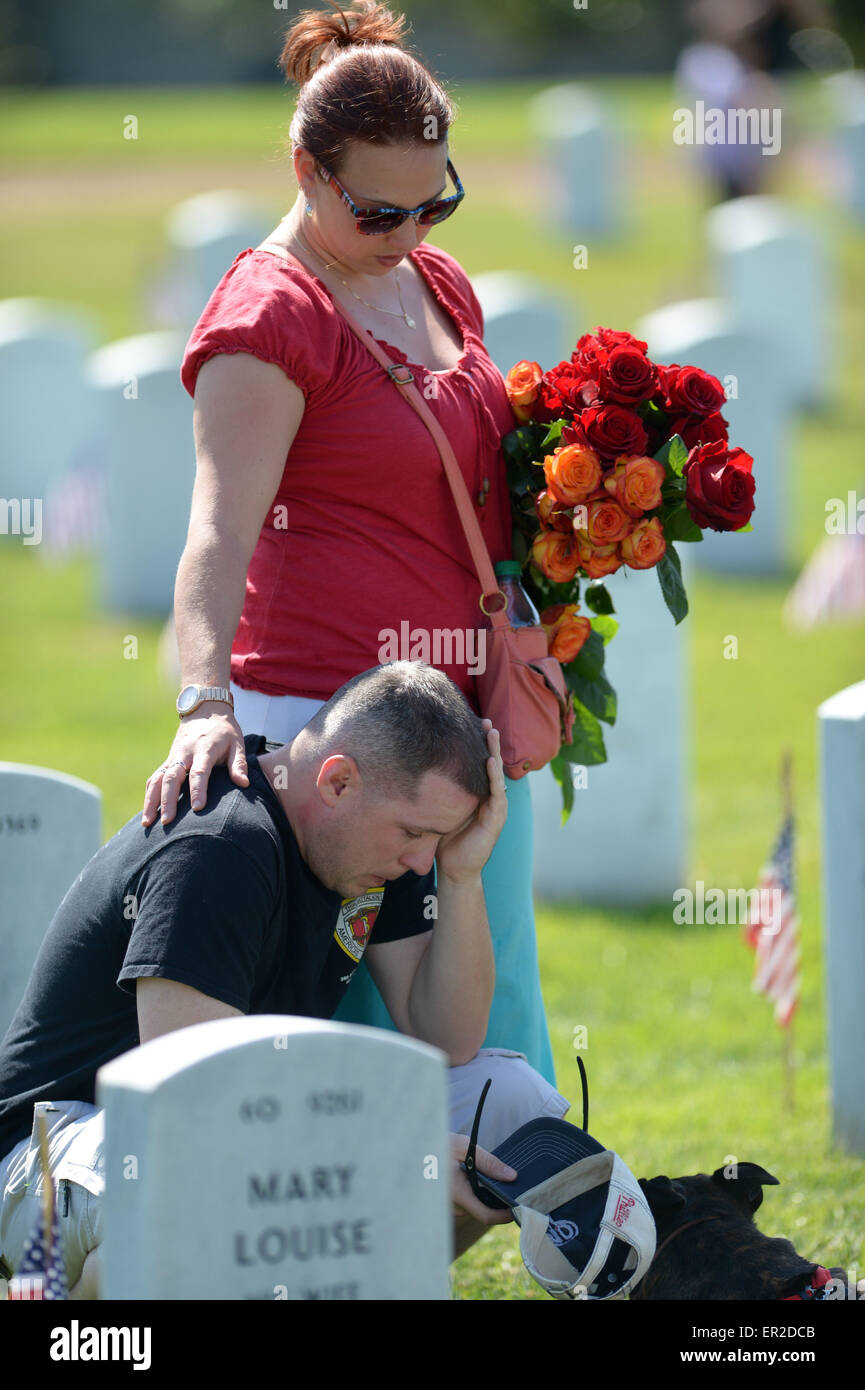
(537, 1150)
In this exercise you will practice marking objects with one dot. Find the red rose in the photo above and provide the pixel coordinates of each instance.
(666, 377)
(627, 377)
(696, 429)
(608, 429)
(694, 392)
(593, 349)
(589, 356)
(558, 393)
(611, 338)
(720, 486)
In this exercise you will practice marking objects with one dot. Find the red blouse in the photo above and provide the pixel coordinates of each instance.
(363, 534)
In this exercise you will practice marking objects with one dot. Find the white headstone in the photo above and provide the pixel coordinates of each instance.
(148, 458)
(703, 333)
(50, 827)
(45, 406)
(523, 321)
(627, 839)
(772, 268)
(581, 154)
(274, 1157)
(205, 234)
(841, 723)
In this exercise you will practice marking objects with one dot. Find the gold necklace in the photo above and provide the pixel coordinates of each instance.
(403, 315)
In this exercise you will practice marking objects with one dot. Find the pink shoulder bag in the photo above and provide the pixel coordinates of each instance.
(522, 689)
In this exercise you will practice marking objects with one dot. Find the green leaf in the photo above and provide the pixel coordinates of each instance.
(553, 434)
(521, 443)
(605, 626)
(679, 525)
(651, 412)
(587, 748)
(519, 546)
(678, 455)
(589, 662)
(669, 569)
(565, 778)
(673, 455)
(598, 598)
(520, 478)
(740, 529)
(598, 695)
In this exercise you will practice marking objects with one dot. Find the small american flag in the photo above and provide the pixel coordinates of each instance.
(774, 935)
(42, 1271)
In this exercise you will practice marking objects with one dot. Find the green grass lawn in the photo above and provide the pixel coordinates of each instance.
(684, 1063)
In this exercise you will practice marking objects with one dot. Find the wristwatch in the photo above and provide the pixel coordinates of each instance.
(191, 696)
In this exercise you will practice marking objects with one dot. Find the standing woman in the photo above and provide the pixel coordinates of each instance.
(321, 516)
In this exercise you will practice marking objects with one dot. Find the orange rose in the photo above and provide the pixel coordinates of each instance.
(597, 561)
(523, 384)
(555, 555)
(566, 633)
(608, 522)
(635, 483)
(645, 545)
(550, 513)
(572, 472)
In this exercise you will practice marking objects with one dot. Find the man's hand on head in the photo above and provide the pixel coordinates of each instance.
(463, 854)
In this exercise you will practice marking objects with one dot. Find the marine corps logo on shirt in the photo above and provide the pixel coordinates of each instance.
(356, 920)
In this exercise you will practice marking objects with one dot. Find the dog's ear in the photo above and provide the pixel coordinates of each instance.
(745, 1183)
(662, 1194)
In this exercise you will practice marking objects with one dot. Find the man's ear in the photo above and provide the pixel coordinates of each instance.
(745, 1184)
(337, 775)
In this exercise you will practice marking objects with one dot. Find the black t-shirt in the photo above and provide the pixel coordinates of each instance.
(221, 900)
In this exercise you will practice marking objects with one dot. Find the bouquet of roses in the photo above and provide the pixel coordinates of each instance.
(615, 459)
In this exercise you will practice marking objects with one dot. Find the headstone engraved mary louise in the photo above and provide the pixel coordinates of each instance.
(274, 1157)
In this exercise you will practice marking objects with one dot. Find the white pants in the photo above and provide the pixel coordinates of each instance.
(277, 717)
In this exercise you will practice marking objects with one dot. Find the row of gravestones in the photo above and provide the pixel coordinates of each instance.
(272, 1157)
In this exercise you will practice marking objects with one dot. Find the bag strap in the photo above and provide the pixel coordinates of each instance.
(401, 375)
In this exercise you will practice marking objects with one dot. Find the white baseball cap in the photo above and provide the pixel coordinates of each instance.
(586, 1228)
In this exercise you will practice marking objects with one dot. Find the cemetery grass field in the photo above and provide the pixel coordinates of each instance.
(683, 1061)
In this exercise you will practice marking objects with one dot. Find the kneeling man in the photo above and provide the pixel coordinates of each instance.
(263, 903)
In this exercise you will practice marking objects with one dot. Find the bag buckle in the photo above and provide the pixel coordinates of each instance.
(400, 367)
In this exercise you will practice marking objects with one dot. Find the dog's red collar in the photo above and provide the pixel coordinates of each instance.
(814, 1289)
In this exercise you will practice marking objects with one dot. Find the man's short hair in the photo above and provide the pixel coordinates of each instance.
(399, 721)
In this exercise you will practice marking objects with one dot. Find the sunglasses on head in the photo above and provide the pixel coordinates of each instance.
(377, 221)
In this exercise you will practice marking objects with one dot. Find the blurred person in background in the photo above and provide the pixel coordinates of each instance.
(742, 47)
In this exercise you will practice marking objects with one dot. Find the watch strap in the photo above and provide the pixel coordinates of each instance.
(205, 693)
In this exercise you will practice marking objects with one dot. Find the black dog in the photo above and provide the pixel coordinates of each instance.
(723, 1255)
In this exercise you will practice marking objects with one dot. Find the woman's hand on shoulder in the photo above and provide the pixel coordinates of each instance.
(203, 740)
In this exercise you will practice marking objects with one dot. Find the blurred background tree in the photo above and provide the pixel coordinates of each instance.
(203, 41)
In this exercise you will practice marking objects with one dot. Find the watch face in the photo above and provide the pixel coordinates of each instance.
(187, 698)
